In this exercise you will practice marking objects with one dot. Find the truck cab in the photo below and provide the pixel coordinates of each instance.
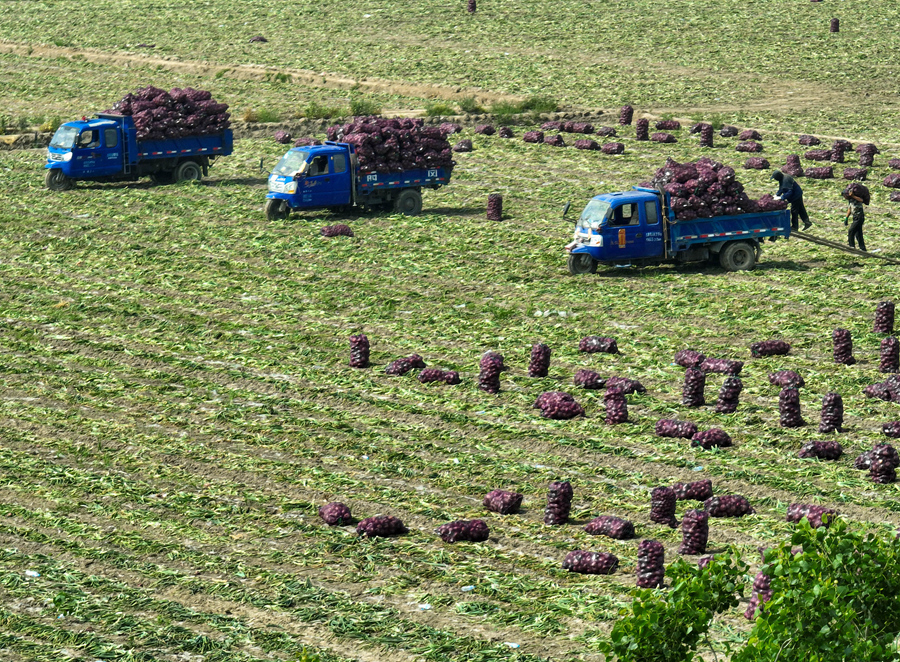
(86, 149)
(618, 227)
(313, 177)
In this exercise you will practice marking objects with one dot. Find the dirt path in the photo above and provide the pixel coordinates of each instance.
(257, 72)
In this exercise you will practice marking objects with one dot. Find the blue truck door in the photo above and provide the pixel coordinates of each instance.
(341, 174)
(322, 187)
(97, 152)
(625, 232)
(109, 159)
(653, 233)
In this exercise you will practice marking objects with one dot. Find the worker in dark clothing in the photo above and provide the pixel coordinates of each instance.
(854, 234)
(790, 191)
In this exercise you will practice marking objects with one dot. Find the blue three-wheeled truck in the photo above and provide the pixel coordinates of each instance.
(106, 148)
(328, 177)
(639, 227)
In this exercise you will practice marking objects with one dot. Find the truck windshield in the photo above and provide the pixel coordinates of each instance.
(595, 212)
(291, 163)
(64, 138)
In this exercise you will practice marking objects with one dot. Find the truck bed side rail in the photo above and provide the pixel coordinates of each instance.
(760, 225)
(407, 178)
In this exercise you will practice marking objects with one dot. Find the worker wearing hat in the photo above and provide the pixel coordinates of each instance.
(790, 191)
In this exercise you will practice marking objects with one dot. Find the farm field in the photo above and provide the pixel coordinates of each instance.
(176, 397)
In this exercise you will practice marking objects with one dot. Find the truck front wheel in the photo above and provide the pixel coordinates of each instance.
(188, 170)
(738, 256)
(56, 180)
(276, 210)
(582, 263)
(409, 202)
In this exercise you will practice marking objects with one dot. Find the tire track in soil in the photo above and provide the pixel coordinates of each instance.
(258, 72)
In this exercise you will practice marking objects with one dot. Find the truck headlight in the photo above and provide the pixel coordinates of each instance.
(67, 156)
(290, 187)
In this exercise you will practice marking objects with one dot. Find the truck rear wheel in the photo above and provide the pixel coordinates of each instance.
(276, 210)
(188, 170)
(409, 202)
(56, 180)
(582, 263)
(738, 256)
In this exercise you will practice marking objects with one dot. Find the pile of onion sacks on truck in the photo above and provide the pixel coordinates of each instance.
(394, 145)
(161, 115)
(706, 188)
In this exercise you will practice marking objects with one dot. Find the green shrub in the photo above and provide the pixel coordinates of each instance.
(539, 104)
(266, 115)
(437, 108)
(469, 105)
(316, 111)
(837, 599)
(666, 626)
(364, 107)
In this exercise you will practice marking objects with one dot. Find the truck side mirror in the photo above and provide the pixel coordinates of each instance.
(566, 209)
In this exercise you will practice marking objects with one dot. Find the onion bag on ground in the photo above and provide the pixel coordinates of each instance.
(405, 364)
(590, 563)
(502, 501)
(359, 351)
(650, 564)
(559, 503)
(464, 530)
(662, 506)
(381, 526)
(589, 379)
(832, 419)
(667, 427)
(612, 527)
(335, 514)
(694, 532)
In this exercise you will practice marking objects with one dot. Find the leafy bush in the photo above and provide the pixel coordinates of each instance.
(364, 107)
(266, 115)
(316, 111)
(539, 104)
(438, 108)
(668, 626)
(838, 598)
(469, 105)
